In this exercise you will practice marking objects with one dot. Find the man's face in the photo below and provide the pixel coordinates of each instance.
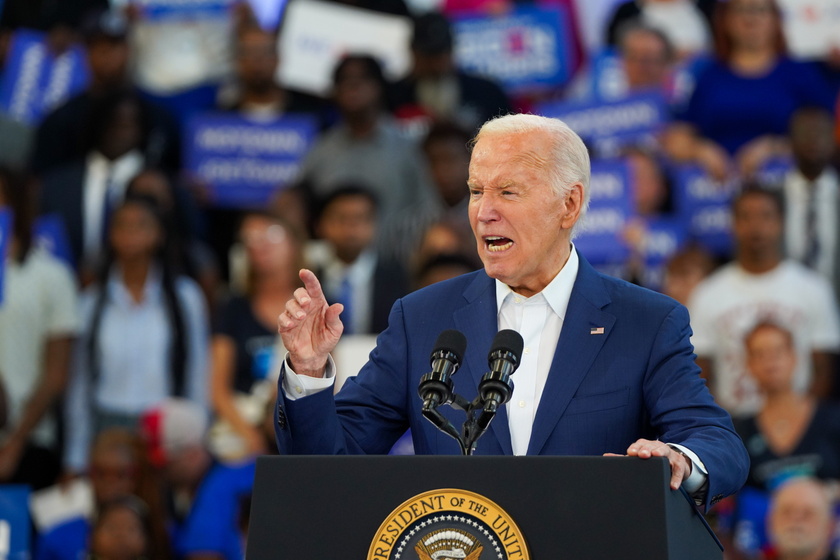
(449, 163)
(256, 59)
(522, 228)
(349, 225)
(757, 225)
(645, 60)
(799, 522)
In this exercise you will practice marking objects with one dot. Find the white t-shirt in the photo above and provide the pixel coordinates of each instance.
(728, 304)
(39, 302)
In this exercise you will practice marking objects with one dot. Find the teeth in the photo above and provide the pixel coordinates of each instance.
(496, 248)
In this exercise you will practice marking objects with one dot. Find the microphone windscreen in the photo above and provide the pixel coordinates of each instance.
(452, 341)
(510, 341)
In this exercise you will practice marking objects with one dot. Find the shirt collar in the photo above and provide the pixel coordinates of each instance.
(151, 289)
(556, 294)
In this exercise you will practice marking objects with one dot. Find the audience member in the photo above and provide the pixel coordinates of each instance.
(802, 521)
(205, 497)
(436, 88)
(761, 285)
(685, 23)
(647, 58)
(365, 147)
(812, 195)
(245, 342)
(85, 191)
(446, 149)
(685, 270)
(194, 258)
(353, 272)
(121, 532)
(57, 140)
(744, 98)
(145, 333)
(443, 267)
(256, 95)
(37, 326)
(118, 468)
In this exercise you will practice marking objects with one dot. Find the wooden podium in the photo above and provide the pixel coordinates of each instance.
(574, 508)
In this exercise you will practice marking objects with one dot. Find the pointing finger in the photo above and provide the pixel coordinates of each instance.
(312, 285)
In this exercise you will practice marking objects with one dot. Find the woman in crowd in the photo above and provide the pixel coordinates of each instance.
(121, 532)
(792, 435)
(745, 97)
(245, 351)
(145, 332)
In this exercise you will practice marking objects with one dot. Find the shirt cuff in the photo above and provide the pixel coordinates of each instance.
(699, 474)
(298, 386)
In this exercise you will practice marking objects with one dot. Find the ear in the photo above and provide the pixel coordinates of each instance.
(572, 206)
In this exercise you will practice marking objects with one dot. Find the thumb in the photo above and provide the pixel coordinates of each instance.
(331, 318)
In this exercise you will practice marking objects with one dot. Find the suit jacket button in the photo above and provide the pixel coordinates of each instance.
(281, 417)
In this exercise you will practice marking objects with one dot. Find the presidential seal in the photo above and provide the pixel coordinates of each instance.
(448, 524)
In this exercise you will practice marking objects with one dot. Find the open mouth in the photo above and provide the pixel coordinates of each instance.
(495, 244)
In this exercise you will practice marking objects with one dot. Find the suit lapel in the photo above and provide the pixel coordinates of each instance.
(576, 350)
(479, 322)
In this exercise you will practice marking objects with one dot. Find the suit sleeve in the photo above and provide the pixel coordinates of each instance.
(683, 411)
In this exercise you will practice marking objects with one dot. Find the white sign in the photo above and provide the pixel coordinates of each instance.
(315, 35)
(812, 27)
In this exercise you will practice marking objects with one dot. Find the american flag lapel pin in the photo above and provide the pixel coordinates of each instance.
(596, 330)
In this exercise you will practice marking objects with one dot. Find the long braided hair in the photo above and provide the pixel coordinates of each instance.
(178, 352)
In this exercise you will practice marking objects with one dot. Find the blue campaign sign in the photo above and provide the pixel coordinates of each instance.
(663, 237)
(607, 126)
(14, 522)
(5, 237)
(610, 206)
(162, 9)
(705, 205)
(35, 80)
(245, 162)
(526, 49)
(50, 234)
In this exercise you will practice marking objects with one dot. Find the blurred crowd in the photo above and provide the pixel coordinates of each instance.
(138, 370)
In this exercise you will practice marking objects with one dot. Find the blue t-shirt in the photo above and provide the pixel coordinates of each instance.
(67, 541)
(731, 109)
(213, 522)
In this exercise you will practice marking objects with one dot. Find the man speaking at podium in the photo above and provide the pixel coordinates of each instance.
(607, 367)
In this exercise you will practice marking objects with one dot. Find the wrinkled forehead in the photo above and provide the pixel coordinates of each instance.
(527, 150)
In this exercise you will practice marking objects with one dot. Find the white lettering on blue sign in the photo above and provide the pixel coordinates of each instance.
(605, 186)
(660, 243)
(605, 220)
(713, 218)
(60, 80)
(248, 170)
(251, 140)
(606, 120)
(32, 63)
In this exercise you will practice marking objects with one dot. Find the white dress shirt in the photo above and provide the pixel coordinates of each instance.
(823, 193)
(104, 178)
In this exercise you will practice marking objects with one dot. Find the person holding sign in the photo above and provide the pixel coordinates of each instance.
(607, 367)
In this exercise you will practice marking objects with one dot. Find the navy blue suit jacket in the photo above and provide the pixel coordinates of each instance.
(604, 391)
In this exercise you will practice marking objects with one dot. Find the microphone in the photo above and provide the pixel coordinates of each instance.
(496, 387)
(436, 387)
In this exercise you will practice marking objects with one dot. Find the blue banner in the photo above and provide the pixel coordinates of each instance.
(526, 49)
(245, 163)
(49, 234)
(609, 126)
(164, 9)
(35, 81)
(705, 205)
(14, 522)
(610, 206)
(5, 238)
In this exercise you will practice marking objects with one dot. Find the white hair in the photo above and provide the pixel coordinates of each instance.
(571, 158)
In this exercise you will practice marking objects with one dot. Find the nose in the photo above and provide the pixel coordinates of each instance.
(486, 209)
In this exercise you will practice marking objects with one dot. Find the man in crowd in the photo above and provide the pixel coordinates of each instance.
(761, 285)
(801, 521)
(607, 367)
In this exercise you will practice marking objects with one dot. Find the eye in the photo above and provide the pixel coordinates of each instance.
(475, 193)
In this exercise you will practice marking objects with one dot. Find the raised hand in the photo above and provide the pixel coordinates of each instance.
(310, 328)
